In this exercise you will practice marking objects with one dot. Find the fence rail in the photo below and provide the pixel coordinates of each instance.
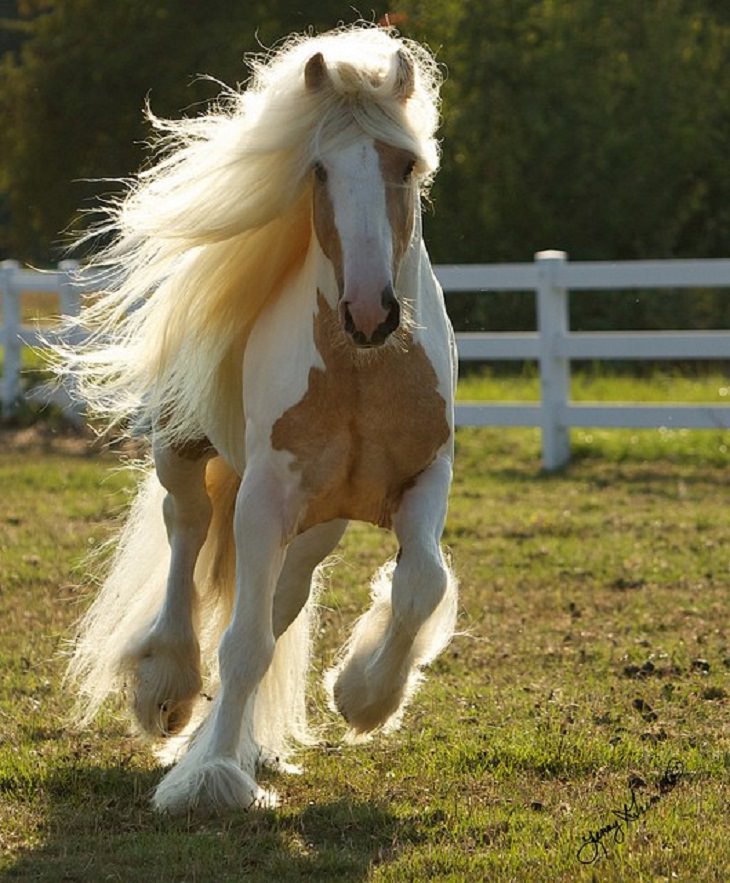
(551, 277)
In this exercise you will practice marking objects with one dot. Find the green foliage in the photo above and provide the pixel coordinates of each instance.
(598, 128)
(590, 126)
(73, 101)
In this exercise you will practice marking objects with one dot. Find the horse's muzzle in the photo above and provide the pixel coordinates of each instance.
(371, 325)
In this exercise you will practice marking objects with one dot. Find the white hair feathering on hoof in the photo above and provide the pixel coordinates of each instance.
(273, 321)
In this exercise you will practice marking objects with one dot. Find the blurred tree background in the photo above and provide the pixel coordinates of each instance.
(600, 127)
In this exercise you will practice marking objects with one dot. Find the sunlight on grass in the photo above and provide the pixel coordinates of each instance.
(600, 384)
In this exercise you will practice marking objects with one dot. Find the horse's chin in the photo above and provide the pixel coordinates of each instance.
(366, 345)
(367, 349)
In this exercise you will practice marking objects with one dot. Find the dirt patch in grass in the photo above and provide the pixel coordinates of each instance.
(65, 439)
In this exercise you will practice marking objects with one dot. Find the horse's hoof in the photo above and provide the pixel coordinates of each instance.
(211, 787)
(364, 705)
(175, 715)
(165, 685)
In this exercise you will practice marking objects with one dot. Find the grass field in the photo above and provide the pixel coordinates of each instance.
(578, 728)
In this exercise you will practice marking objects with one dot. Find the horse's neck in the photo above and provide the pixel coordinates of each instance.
(415, 282)
(415, 278)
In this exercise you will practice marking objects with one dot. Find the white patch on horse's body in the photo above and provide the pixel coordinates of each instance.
(290, 345)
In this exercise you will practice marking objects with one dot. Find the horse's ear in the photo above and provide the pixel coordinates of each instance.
(315, 72)
(405, 76)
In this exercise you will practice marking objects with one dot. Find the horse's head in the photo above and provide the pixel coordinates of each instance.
(365, 201)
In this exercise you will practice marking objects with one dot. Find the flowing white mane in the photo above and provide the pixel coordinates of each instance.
(206, 236)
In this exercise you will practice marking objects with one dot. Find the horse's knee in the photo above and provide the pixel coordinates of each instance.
(187, 507)
(190, 518)
(244, 657)
(303, 556)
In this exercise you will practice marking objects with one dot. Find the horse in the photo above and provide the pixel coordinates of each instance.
(272, 322)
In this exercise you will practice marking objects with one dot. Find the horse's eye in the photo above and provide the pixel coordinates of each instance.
(408, 171)
(320, 172)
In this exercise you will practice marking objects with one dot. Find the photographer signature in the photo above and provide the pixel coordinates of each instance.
(594, 846)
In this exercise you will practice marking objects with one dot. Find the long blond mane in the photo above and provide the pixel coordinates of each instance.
(207, 236)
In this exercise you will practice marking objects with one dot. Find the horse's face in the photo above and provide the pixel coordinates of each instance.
(364, 206)
(365, 201)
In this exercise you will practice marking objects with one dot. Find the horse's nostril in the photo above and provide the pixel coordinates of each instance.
(388, 298)
(386, 328)
(393, 320)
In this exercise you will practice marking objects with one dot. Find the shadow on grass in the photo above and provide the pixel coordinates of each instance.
(96, 824)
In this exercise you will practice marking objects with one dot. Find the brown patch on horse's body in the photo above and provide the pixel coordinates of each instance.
(364, 430)
(323, 220)
(396, 165)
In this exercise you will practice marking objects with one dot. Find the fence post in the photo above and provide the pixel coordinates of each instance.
(10, 337)
(70, 305)
(552, 325)
(68, 292)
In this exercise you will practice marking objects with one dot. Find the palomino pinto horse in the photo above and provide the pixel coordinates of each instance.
(275, 319)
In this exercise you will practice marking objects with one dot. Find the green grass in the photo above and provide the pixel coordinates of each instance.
(601, 383)
(592, 603)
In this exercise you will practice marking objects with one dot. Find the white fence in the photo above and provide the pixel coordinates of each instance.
(551, 277)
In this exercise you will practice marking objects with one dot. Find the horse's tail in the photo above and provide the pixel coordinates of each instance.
(127, 602)
(132, 594)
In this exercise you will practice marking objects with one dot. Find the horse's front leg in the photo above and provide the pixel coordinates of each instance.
(164, 662)
(410, 620)
(218, 769)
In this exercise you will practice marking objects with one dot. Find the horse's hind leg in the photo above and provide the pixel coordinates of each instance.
(409, 622)
(164, 663)
(303, 556)
(281, 700)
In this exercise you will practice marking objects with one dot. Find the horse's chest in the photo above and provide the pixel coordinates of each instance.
(363, 432)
